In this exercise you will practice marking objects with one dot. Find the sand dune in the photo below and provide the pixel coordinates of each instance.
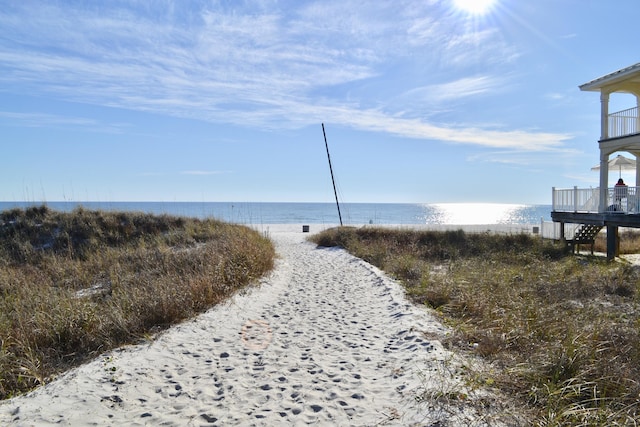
(326, 339)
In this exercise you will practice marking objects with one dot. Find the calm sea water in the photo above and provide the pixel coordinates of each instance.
(325, 213)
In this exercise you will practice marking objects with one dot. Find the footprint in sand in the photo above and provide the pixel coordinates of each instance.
(256, 334)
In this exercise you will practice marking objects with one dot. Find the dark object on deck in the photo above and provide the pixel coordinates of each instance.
(305, 228)
(585, 234)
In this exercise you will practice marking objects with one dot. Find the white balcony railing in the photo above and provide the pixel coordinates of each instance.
(587, 200)
(584, 200)
(623, 123)
(552, 230)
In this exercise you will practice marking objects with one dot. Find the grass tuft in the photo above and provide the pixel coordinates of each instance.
(73, 285)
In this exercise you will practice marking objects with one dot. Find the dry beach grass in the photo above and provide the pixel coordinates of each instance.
(557, 332)
(560, 332)
(73, 285)
(332, 341)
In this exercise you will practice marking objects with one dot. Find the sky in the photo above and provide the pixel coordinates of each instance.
(431, 101)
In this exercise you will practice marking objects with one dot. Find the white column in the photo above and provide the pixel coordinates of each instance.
(604, 181)
(637, 129)
(604, 116)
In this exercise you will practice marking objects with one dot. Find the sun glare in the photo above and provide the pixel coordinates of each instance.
(474, 7)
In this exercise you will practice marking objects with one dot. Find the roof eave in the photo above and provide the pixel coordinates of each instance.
(597, 84)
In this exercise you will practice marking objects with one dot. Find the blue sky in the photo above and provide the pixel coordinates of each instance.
(422, 101)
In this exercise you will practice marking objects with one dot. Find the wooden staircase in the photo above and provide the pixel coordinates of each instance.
(585, 234)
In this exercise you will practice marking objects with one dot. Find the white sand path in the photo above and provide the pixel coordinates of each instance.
(326, 339)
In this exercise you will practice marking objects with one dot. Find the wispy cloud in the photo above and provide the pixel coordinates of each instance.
(276, 68)
(186, 172)
(524, 158)
(554, 96)
(517, 139)
(203, 173)
(11, 118)
(457, 89)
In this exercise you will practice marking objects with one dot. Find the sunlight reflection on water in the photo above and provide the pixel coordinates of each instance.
(475, 213)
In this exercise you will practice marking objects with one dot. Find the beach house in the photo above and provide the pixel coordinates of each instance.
(607, 206)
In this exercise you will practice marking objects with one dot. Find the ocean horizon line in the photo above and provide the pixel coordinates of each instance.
(31, 202)
(323, 212)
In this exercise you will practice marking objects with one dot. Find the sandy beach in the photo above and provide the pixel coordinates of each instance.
(326, 339)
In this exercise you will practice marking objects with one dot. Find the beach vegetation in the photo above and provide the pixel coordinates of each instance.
(74, 285)
(559, 331)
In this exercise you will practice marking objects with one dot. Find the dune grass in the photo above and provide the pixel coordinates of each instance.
(559, 331)
(73, 285)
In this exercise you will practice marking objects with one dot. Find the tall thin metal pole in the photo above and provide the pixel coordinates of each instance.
(331, 170)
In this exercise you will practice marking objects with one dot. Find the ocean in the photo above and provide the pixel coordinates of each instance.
(324, 213)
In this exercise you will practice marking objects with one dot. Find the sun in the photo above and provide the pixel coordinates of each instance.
(474, 7)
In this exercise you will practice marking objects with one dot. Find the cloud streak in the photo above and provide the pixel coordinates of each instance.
(59, 121)
(202, 172)
(281, 68)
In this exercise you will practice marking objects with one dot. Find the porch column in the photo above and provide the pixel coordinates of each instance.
(604, 181)
(637, 129)
(612, 242)
(604, 116)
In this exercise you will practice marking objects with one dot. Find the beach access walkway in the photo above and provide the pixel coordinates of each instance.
(325, 339)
